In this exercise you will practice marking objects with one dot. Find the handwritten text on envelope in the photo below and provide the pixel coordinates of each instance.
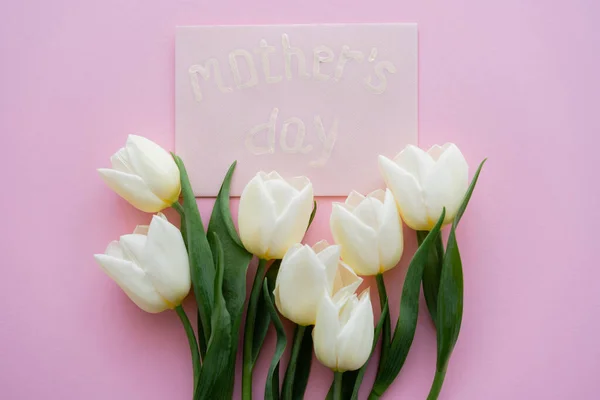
(315, 100)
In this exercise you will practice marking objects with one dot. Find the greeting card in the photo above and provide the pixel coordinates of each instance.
(307, 100)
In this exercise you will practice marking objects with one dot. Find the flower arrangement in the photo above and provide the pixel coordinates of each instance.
(315, 287)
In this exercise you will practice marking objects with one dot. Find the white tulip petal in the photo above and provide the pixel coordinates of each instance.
(391, 240)
(155, 166)
(271, 175)
(415, 161)
(378, 194)
(291, 225)
(358, 241)
(436, 150)
(133, 247)
(345, 280)
(133, 189)
(326, 331)
(368, 212)
(447, 184)
(166, 260)
(329, 258)
(301, 282)
(256, 218)
(281, 192)
(114, 250)
(299, 182)
(356, 337)
(133, 281)
(320, 245)
(120, 162)
(353, 200)
(407, 192)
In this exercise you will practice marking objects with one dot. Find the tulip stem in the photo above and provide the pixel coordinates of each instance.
(178, 207)
(386, 329)
(290, 373)
(248, 357)
(337, 385)
(192, 342)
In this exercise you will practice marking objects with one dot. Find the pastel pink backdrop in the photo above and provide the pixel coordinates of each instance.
(511, 80)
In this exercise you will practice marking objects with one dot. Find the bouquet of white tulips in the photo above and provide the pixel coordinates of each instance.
(315, 287)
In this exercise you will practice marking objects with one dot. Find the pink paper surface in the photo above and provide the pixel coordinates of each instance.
(278, 111)
(510, 80)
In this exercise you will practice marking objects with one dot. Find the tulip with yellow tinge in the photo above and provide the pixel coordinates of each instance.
(424, 182)
(150, 265)
(305, 274)
(343, 333)
(369, 231)
(274, 213)
(144, 174)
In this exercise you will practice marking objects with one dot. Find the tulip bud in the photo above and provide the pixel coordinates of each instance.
(424, 183)
(369, 231)
(343, 334)
(144, 174)
(305, 273)
(274, 213)
(151, 265)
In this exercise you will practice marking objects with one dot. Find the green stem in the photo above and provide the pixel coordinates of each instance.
(438, 381)
(178, 207)
(387, 329)
(288, 381)
(248, 362)
(337, 385)
(192, 342)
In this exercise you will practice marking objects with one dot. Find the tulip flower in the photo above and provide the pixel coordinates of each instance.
(369, 231)
(305, 273)
(151, 265)
(274, 213)
(343, 334)
(144, 174)
(424, 183)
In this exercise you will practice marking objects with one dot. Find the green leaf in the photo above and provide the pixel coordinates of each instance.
(236, 260)
(262, 319)
(386, 330)
(272, 383)
(298, 369)
(211, 384)
(409, 311)
(202, 269)
(450, 297)
(465, 202)
(432, 272)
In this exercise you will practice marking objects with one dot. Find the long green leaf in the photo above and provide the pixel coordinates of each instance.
(432, 272)
(450, 297)
(386, 330)
(409, 311)
(272, 383)
(202, 269)
(304, 365)
(235, 260)
(262, 319)
(216, 362)
(433, 268)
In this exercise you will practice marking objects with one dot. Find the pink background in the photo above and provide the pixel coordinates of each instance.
(511, 80)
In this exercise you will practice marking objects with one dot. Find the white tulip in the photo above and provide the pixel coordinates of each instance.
(305, 273)
(273, 213)
(343, 334)
(369, 231)
(151, 265)
(144, 174)
(426, 182)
